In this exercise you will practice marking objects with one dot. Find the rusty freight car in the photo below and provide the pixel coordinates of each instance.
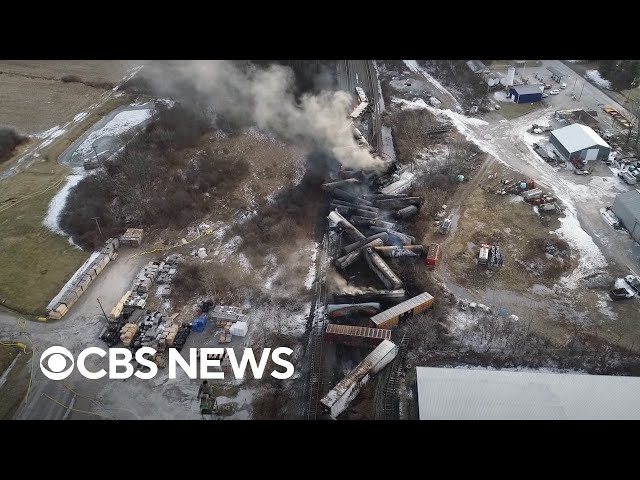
(355, 335)
(391, 318)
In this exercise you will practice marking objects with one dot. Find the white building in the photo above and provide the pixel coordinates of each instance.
(465, 394)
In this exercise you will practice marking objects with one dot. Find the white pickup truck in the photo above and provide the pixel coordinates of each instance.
(628, 177)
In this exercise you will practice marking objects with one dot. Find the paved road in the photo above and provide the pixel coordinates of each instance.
(508, 142)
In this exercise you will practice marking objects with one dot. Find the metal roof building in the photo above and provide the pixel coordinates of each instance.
(579, 142)
(626, 207)
(526, 93)
(464, 394)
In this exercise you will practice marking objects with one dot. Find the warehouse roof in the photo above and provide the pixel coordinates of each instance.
(631, 201)
(528, 89)
(453, 393)
(401, 308)
(577, 137)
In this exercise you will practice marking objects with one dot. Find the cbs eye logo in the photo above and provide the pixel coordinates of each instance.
(53, 363)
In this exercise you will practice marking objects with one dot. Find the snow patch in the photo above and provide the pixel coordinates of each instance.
(591, 259)
(58, 202)
(595, 77)
(47, 133)
(167, 101)
(228, 248)
(244, 262)
(80, 116)
(118, 125)
(52, 137)
(414, 67)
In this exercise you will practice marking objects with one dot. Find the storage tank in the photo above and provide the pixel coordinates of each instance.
(511, 71)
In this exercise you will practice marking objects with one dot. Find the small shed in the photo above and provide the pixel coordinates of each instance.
(414, 306)
(579, 142)
(526, 93)
(626, 207)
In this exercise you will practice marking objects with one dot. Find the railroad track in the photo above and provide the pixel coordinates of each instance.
(372, 78)
(316, 340)
(387, 401)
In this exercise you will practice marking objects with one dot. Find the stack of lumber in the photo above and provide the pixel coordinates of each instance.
(127, 332)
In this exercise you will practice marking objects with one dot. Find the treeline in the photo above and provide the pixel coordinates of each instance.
(159, 179)
(622, 74)
(9, 140)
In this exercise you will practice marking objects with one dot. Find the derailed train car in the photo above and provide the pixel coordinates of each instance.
(339, 397)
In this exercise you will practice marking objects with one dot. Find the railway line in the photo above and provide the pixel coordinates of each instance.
(386, 400)
(350, 74)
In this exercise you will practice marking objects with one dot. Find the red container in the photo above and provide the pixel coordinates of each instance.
(433, 254)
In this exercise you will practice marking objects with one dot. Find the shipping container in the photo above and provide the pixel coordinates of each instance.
(483, 255)
(532, 194)
(339, 397)
(390, 318)
(355, 335)
(433, 254)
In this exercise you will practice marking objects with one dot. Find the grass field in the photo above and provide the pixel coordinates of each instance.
(36, 263)
(34, 99)
(13, 391)
(513, 110)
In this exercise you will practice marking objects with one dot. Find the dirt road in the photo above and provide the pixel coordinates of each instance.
(601, 249)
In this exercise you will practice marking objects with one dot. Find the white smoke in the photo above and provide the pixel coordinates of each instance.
(337, 283)
(264, 97)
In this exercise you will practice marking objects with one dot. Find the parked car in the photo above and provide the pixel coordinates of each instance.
(628, 178)
(545, 95)
(564, 85)
(621, 294)
(547, 86)
(554, 92)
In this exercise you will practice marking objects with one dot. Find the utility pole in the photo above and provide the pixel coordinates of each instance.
(105, 315)
(575, 80)
(97, 224)
(581, 91)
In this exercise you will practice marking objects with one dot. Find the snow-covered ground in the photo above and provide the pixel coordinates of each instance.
(80, 116)
(591, 258)
(58, 202)
(414, 67)
(595, 77)
(568, 192)
(121, 123)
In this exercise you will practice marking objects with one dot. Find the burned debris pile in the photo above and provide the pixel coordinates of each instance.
(369, 230)
(365, 223)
